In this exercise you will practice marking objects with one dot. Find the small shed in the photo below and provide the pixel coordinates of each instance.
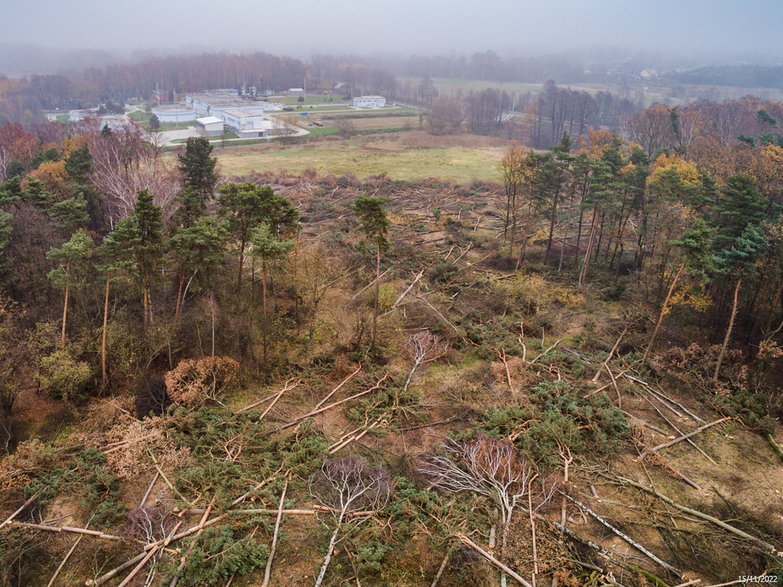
(210, 126)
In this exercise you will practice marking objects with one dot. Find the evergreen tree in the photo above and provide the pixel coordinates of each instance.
(70, 214)
(136, 247)
(740, 205)
(198, 167)
(550, 179)
(36, 194)
(11, 190)
(78, 164)
(267, 247)
(375, 225)
(71, 265)
(198, 248)
(246, 205)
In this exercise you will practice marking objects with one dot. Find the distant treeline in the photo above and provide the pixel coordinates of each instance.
(741, 76)
(538, 120)
(22, 99)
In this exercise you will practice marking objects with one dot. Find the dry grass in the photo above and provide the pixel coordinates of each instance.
(384, 122)
(405, 156)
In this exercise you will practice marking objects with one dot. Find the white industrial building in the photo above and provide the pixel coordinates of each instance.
(245, 123)
(369, 102)
(82, 114)
(215, 102)
(210, 126)
(174, 114)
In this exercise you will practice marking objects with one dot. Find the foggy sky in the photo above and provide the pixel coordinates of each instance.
(721, 28)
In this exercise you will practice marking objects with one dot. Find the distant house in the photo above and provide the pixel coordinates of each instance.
(210, 126)
(296, 92)
(369, 102)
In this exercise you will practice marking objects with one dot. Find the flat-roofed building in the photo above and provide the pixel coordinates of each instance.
(369, 102)
(245, 123)
(215, 102)
(210, 126)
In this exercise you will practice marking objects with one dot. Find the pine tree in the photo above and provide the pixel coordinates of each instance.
(70, 214)
(268, 248)
(78, 164)
(198, 167)
(71, 265)
(136, 248)
(375, 225)
(198, 248)
(246, 205)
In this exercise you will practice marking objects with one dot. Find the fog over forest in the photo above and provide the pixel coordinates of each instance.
(718, 30)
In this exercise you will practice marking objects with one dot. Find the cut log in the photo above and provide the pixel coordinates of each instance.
(654, 579)
(468, 542)
(148, 556)
(696, 513)
(683, 437)
(277, 397)
(335, 404)
(336, 389)
(69, 529)
(441, 568)
(775, 446)
(628, 539)
(116, 571)
(10, 518)
(66, 557)
(268, 570)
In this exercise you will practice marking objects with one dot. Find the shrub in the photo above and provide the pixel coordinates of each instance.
(218, 555)
(64, 376)
(751, 408)
(371, 555)
(443, 272)
(559, 417)
(194, 381)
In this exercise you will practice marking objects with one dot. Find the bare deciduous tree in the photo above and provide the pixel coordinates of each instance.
(492, 468)
(446, 116)
(424, 347)
(150, 525)
(124, 162)
(353, 491)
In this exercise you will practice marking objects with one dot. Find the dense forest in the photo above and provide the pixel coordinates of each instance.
(398, 383)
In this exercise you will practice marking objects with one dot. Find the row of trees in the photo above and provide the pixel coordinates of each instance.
(538, 120)
(666, 219)
(700, 129)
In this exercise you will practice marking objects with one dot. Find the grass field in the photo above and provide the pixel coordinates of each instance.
(383, 122)
(315, 109)
(392, 111)
(294, 100)
(405, 156)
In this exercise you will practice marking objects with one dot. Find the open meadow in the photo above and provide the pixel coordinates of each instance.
(409, 155)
